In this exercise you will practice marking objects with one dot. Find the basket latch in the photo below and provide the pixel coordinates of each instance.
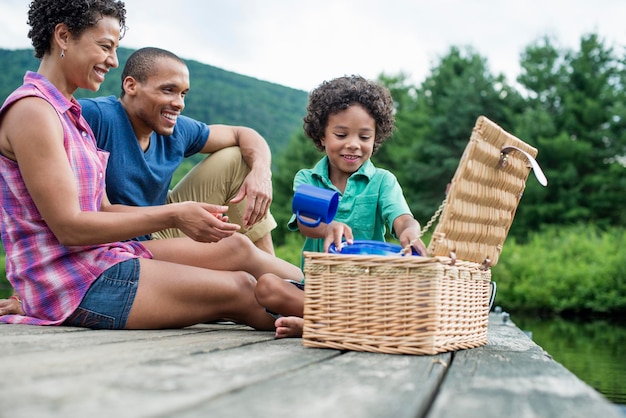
(504, 157)
(486, 264)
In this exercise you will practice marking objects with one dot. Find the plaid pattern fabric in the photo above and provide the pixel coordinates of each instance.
(52, 278)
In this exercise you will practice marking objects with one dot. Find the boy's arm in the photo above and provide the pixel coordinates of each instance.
(408, 232)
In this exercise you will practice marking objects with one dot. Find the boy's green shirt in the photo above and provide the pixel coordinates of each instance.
(373, 199)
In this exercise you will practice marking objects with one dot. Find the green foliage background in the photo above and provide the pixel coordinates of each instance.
(565, 250)
(578, 269)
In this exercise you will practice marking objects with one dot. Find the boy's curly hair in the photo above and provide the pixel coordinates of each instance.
(336, 95)
(78, 15)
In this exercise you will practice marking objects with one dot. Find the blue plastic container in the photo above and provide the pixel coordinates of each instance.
(367, 247)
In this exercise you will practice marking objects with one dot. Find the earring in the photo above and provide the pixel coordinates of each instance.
(62, 53)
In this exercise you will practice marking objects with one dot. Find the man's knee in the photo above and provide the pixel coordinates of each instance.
(216, 179)
(262, 229)
(227, 164)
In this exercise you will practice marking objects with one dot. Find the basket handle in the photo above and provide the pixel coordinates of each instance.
(492, 297)
(504, 153)
(433, 219)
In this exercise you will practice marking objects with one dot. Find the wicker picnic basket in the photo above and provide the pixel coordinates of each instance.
(426, 305)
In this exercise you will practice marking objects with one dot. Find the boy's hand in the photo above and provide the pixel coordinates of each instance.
(335, 233)
(409, 236)
(409, 232)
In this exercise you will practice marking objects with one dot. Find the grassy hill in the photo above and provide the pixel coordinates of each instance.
(216, 96)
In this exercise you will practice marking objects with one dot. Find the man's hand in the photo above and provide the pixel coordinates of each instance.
(257, 189)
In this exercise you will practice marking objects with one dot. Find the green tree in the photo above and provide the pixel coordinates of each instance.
(299, 153)
(392, 155)
(575, 117)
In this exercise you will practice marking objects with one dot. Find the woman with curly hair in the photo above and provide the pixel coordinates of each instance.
(69, 254)
(348, 118)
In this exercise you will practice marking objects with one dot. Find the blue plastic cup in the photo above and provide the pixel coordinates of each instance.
(314, 203)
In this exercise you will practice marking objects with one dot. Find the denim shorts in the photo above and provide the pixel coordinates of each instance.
(109, 299)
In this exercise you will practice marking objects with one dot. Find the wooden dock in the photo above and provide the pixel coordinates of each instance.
(226, 370)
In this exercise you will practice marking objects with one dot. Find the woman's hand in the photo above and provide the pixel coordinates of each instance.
(204, 222)
(11, 306)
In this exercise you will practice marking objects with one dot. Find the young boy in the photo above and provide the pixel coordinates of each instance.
(348, 118)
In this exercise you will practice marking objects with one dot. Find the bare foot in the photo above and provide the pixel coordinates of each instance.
(10, 307)
(289, 327)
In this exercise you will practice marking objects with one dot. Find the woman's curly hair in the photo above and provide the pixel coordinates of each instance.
(336, 95)
(78, 15)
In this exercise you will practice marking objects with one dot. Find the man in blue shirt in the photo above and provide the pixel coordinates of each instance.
(148, 138)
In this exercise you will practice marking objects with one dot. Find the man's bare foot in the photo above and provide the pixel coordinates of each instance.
(11, 307)
(289, 327)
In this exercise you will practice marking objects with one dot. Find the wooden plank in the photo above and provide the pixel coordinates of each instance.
(20, 339)
(514, 377)
(230, 370)
(145, 377)
(351, 385)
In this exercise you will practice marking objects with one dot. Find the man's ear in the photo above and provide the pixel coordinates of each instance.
(130, 85)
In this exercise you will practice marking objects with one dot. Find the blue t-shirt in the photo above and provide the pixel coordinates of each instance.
(135, 177)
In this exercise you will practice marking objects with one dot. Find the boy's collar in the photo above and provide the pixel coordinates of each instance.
(321, 169)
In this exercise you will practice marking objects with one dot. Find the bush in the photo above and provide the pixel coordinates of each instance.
(578, 269)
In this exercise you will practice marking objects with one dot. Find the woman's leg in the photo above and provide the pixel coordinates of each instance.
(229, 254)
(196, 295)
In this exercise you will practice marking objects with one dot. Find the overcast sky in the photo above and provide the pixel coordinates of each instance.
(300, 43)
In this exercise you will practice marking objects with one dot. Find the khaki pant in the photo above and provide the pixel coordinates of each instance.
(217, 179)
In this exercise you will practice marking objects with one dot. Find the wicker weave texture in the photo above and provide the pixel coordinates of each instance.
(483, 196)
(394, 305)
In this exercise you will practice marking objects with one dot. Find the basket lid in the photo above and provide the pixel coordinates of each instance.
(483, 195)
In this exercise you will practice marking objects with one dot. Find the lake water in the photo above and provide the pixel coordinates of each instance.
(594, 350)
